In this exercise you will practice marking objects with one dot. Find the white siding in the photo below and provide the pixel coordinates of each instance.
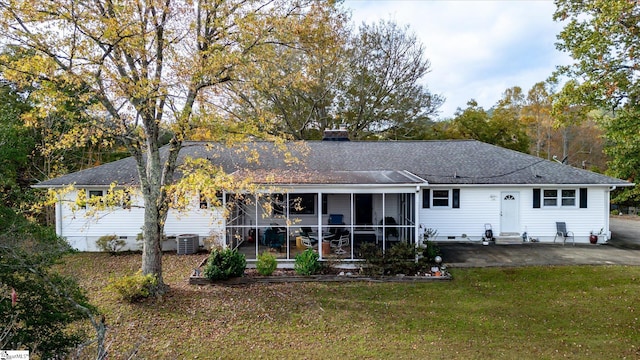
(82, 231)
(480, 206)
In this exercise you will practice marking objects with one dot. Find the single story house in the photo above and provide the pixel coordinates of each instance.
(337, 195)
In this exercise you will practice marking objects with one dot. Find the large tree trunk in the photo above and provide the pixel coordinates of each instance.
(152, 233)
(152, 181)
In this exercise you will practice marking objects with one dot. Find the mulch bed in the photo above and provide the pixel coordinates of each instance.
(288, 276)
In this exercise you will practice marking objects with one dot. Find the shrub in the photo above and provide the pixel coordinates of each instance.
(224, 264)
(430, 251)
(307, 263)
(373, 258)
(266, 264)
(110, 243)
(134, 287)
(46, 316)
(400, 259)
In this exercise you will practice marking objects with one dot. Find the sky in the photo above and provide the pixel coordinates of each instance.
(477, 48)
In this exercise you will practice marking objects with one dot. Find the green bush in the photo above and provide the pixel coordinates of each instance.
(266, 264)
(134, 287)
(430, 251)
(400, 259)
(373, 258)
(48, 316)
(307, 263)
(224, 264)
(110, 243)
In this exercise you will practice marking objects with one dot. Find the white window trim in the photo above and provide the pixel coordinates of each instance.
(89, 195)
(449, 199)
(559, 199)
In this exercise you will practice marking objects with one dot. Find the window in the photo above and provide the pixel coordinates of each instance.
(557, 198)
(550, 197)
(302, 204)
(568, 198)
(85, 196)
(325, 202)
(440, 198)
(205, 203)
(95, 193)
(125, 200)
(273, 204)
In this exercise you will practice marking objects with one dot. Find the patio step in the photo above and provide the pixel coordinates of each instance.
(508, 239)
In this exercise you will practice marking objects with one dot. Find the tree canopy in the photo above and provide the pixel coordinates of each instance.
(370, 80)
(44, 303)
(603, 38)
(144, 66)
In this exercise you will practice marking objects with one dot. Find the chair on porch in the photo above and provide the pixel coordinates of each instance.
(274, 239)
(340, 243)
(307, 231)
(391, 230)
(561, 231)
(308, 237)
(308, 242)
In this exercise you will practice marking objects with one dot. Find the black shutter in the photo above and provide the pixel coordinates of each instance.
(456, 199)
(583, 198)
(536, 198)
(426, 198)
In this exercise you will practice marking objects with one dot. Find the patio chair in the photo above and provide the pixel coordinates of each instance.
(338, 244)
(335, 219)
(561, 231)
(308, 241)
(274, 239)
(390, 231)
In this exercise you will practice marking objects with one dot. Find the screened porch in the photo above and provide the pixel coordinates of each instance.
(333, 224)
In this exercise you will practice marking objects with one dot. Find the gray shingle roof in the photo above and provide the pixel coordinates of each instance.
(355, 162)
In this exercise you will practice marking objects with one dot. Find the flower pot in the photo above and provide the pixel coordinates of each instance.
(593, 238)
(326, 248)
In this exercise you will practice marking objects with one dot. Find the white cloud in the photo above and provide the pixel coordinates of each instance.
(477, 49)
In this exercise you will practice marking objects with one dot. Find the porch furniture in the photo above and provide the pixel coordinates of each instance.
(274, 239)
(561, 231)
(308, 242)
(390, 230)
(334, 233)
(366, 234)
(336, 219)
(339, 244)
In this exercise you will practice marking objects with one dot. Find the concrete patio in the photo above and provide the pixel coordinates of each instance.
(622, 249)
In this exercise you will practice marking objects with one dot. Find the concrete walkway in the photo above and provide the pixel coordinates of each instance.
(622, 249)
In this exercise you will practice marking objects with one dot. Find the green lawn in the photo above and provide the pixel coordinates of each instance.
(572, 312)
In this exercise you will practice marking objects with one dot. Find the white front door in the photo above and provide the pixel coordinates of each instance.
(510, 212)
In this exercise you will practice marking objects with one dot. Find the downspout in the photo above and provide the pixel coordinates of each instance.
(58, 216)
(607, 213)
(416, 223)
(319, 225)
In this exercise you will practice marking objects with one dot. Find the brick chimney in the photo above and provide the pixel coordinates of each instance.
(340, 134)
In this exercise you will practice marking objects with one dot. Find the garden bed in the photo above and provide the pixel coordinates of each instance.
(289, 276)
